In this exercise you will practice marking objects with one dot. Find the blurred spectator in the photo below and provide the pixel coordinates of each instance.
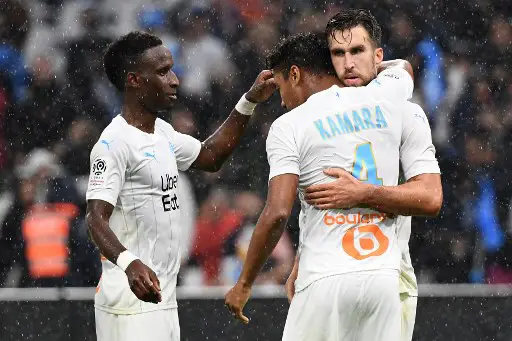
(216, 224)
(40, 184)
(253, 48)
(155, 20)
(13, 30)
(209, 71)
(81, 136)
(88, 88)
(500, 41)
(42, 119)
(14, 78)
(15, 202)
(280, 263)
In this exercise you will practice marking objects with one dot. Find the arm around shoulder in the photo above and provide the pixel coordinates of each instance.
(396, 63)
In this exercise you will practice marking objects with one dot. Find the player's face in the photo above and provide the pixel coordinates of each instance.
(158, 84)
(354, 56)
(290, 93)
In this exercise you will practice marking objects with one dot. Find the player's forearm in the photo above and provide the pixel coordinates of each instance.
(295, 269)
(296, 264)
(410, 199)
(104, 238)
(220, 145)
(267, 233)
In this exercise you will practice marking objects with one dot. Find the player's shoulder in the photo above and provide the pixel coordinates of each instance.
(414, 110)
(113, 138)
(282, 123)
(413, 106)
(163, 125)
(116, 128)
(394, 83)
(395, 73)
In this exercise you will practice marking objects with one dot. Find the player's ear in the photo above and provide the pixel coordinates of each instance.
(132, 80)
(295, 74)
(379, 55)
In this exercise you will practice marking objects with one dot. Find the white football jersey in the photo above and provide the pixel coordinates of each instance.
(366, 131)
(137, 173)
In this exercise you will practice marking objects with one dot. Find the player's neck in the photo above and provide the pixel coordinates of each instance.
(138, 116)
(321, 83)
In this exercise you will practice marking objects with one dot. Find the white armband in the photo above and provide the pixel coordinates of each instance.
(125, 258)
(245, 107)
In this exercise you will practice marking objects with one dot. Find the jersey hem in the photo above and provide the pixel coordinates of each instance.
(434, 169)
(283, 171)
(98, 196)
(135, 311)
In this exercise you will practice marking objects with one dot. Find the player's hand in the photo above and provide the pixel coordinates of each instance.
(143, 282)
(264, 86)
(345, 192)
(235, 301)
(290, 284)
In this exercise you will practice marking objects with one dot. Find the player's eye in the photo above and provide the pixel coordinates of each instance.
(163, 72)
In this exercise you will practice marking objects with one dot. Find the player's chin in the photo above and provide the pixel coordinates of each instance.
(353, 82)
(170, 102)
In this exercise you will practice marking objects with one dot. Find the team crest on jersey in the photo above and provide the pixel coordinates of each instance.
(97, 178)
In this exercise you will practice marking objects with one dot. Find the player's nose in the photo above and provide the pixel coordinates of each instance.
(349, 61)
(173, 80)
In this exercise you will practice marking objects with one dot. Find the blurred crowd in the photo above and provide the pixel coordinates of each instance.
(55, 100)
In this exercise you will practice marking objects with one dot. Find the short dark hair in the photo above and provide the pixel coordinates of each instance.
(124, 53)
(306, 50)
(350, 18)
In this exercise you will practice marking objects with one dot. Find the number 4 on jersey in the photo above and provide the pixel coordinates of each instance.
(365, 168)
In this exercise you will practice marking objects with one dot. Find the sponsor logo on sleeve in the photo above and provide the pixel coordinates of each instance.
(97, 177)
(392, 75)
(421, 117)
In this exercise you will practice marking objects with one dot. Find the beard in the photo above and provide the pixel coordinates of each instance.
(365, 80)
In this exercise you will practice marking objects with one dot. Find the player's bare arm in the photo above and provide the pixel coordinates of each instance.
(143, 281)
(400, 63)
(271, 224)
(219, 146)
(421, 195)
(290, 282)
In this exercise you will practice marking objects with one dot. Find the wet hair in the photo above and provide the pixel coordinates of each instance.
(305, 50)
(350, 18)
(124, 53)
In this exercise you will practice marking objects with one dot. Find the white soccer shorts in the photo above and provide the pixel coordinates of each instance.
(159, 325)
(359, 306)
(408, 304)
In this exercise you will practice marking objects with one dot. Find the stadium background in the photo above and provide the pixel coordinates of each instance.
(55, 100)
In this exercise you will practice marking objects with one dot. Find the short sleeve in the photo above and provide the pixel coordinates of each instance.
(282, 152)
(395, 83)
(186, 150)
(417, 152)
(108, 164)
